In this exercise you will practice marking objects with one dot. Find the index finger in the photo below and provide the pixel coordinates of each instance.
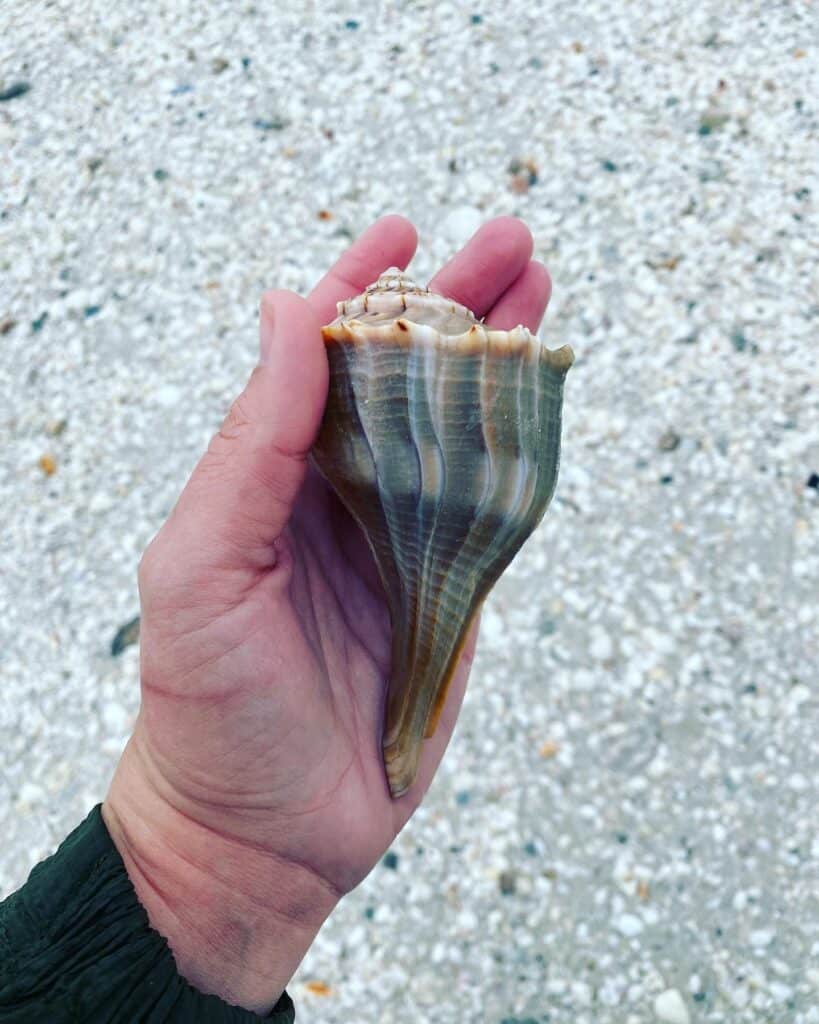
(390, 242)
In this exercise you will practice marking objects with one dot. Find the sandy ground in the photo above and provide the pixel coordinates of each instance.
(625, 827)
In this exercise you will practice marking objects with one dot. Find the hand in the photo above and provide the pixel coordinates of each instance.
(252, 795)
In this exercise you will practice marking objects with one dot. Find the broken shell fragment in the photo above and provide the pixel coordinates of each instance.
(441, 436)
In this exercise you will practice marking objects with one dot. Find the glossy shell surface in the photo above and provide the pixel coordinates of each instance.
(441, 436)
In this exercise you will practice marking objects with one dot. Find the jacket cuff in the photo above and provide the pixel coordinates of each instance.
(76, 945)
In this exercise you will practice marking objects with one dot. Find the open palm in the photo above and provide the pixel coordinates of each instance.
(265, 633)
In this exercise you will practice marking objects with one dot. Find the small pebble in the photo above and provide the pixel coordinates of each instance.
(115, 717)
(461, 223)
(402, 89)
(628, 925)
(30, 793)
(601, 647)
(669, 1007)
(13, 91)
(126, 635)
(780, 991)
(318, 988)
(271, 124)
(56, 427)
(507, 881)
(168, 395)
(48, 464)
(101, 501)
(669, 440)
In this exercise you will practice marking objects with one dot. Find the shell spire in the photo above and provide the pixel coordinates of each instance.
(441, 436)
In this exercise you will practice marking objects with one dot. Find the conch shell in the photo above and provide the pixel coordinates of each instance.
(442, 439)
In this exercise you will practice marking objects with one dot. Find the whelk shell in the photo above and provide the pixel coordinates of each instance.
(442, 439)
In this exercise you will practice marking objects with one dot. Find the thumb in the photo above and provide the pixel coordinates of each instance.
(241, 494)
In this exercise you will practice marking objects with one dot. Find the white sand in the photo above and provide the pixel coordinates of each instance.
(658, 641)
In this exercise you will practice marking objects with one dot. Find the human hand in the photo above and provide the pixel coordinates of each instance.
(252, 795)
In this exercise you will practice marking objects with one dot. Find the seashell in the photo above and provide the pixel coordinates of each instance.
(441, 436)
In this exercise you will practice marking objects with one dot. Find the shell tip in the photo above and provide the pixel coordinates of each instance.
(401, 766)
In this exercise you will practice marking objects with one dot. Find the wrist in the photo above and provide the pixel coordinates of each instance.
(237, 918)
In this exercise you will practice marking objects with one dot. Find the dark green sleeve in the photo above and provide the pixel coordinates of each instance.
(76, 945)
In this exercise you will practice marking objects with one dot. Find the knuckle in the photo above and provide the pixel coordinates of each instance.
(235, 428)
(236, 421)
(148, 570)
